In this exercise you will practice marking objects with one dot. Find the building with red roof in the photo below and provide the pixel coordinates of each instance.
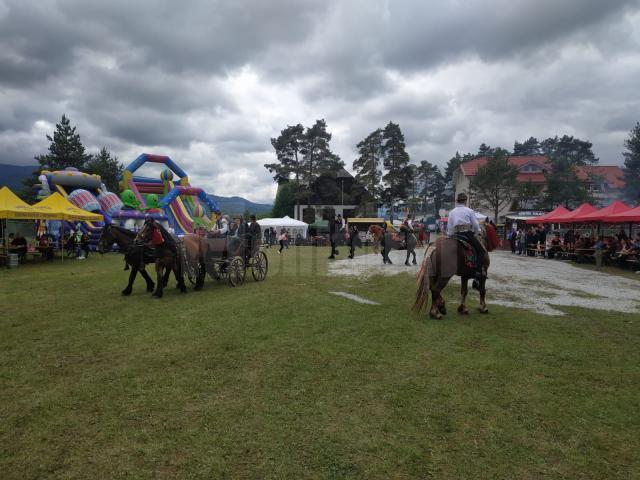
(604, 182)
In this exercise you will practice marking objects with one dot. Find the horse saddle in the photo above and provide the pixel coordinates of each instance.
(468, 252)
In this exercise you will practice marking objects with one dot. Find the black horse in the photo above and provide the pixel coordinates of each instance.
(167, 256)
(135, 255)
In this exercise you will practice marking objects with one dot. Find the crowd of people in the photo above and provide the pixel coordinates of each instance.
(616, 249)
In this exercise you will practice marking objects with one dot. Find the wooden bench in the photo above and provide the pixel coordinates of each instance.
(537, 250)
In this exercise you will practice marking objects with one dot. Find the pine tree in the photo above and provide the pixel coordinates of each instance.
(289, 166)
(285, 200)
(577, 152)
(632, 165)
(65, 150)
(563, 187)
(528, 147)
(452, 165)
(368, 165)
(396, 162)
(288, 146)
(318, 159)
(108, 167)
(433, 184)
(485, 150)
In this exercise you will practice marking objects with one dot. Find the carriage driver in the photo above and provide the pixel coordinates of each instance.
(463, 223)
(222, 225)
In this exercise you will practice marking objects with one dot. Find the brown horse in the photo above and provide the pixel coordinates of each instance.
(387, 241)
(215, 254)
(167, 255)
(442, 260)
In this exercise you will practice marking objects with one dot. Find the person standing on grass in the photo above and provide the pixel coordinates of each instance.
(281, 238)
(254, 232)
(332, 236)
(267, 237)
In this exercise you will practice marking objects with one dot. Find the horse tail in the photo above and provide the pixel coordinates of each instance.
(423, 279)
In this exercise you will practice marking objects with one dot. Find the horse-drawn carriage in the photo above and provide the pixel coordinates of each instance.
(228, 258)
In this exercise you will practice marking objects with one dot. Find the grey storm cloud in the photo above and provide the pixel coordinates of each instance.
(210, 82)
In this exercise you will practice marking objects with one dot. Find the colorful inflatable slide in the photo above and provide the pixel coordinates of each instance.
(183, 204)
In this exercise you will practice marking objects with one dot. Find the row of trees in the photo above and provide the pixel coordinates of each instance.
(383, 167)
(66, 150)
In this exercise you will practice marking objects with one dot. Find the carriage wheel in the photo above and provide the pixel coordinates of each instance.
(259, 266)
(237, 271)
(218, 270)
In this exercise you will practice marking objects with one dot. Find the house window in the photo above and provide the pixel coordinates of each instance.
(530, 167)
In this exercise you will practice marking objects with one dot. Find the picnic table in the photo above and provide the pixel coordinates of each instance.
(537, 250)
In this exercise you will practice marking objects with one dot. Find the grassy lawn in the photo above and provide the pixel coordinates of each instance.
(281, 379)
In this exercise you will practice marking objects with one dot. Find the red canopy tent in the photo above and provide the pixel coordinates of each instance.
(603, 213)
(630, 216)
(545, 218)
(570, 217)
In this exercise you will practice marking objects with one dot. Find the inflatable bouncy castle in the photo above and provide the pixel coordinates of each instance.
(185, 206)
(179, 206)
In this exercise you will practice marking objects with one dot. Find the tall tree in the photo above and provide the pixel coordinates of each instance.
(65, 150)
(318, 159)
(414, 197)
(288, 146)
(495, 183)
(433, 185)
(563, 187)
(528, 147)
(108, 167)
(285, 200)
(289, 165)
(485, 150)
(577, 152)
(632, 165)
(528, 195)
(368, 166)
(452, 165)
(396, 162)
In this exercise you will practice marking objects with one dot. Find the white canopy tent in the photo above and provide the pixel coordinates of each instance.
(295, 227)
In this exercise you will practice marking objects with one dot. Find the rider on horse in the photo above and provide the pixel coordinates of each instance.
(464, 225)
(407, 228)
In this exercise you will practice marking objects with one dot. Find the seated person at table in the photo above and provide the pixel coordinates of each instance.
(599, 245)
(44, 246)
(84, 245)
(18, 244)
(623, 254)
(609, 253)
(569, 239)
(556, 246)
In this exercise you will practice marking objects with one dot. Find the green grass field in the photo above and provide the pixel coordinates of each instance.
(281, 379)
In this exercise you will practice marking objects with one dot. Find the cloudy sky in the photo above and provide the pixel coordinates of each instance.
(210, 82)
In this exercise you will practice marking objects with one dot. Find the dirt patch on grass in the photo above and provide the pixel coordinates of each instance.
(525, 282)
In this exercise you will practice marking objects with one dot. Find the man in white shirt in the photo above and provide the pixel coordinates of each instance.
(464, 224)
